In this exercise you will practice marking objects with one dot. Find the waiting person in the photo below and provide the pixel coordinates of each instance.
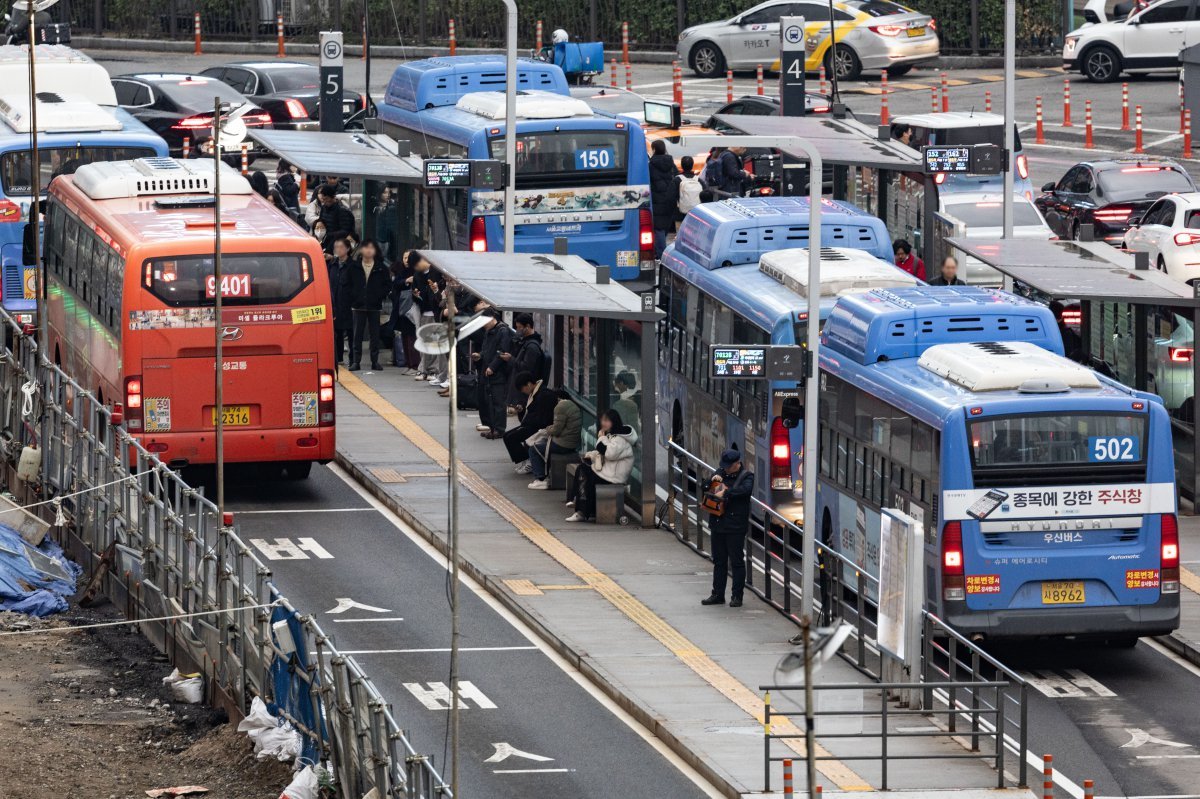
(610, 462)
(493, 376)
(949, 273)
(664, 197)
(735, 484)
(427, 294)
(258, 182)
(339, 281)
(688, 187)
(906, 260)
(286, 182)
(387, 224)
(537, 413)
(1072, 343)
(333, 182)
(404, 311)
(370, 285)
(562, 437)
(902, 133)
(629, 401)
(724, 174)
(322, 236)
(329, 209)
(527, 355)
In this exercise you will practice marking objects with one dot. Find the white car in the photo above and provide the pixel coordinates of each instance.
(1173, 368)
(1170, 232)
(1148, 40)
(981, 216)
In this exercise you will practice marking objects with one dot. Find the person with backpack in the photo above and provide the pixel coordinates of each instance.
(688, 187)
(664, 202)
(723, 174)
(527, 355)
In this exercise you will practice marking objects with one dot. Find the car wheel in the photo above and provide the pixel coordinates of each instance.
(707, 60)
(844, 63)
(1102, 64)
(899, 70)
(1162, 265)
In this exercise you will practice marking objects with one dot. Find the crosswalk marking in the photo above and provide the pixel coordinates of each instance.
(437, 695)
(286, 549)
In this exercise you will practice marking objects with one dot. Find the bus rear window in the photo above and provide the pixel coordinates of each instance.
(568, 157)
(1034, 444)
(248, 279)
(55, 161)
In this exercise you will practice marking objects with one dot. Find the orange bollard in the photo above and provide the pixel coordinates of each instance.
(628, 77)
(1041, 133)
(1047, 777)
(729, 86)
(196, 24)
(822, 73)
(1137, 129)
(787, 777)
(279, 35)
(760, 80)
(625, 42)
(1087, 126)
(537, 37)
(987, 102)
(677, 83)
(1089, 789)
(187, 146)
(614, 73)
(945, 94)
(883, 93)
(1181, 101)
(1187, 134)
(1124, 106)
(245, 158)
(933, 99)
(1067, 103)
(303, 184)
(453, 39)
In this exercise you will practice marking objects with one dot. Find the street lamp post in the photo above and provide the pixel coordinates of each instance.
(1010, 111)
(510, 126)
(219, 398)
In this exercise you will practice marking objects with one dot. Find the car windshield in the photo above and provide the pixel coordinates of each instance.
(881, 8)
(293, 80)
(989, 214)
(198, 93)
(1138, 182)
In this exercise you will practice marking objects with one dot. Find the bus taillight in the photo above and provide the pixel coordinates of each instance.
(325, 397)
(646, 234)
(953, 583)
(133, 402)
(478, 234)
(781, 464)
(1170, 554)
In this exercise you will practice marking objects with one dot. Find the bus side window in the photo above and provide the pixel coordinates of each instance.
(71, 253)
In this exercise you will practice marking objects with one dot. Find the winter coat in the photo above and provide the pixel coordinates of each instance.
(664, 191)
(339, 290)
(616, 462)
(338, 218)
(495, 341)
(567, 427)
(736, 519)
(527, 357)
(424, 295)
(539, 409)
(289, 189)
(368, 293)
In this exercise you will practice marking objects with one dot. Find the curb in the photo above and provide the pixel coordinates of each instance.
(578, 659)
(269, 48)
(1181, 646)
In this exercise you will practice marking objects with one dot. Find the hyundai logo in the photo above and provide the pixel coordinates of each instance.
(231, 333)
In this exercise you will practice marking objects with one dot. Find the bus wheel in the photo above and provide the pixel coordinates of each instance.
(298, 470)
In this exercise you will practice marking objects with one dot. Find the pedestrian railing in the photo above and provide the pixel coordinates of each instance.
(163, 555)
(956, 674)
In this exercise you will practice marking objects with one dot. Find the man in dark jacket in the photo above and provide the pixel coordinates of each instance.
(735, 484)
(333, 212)
(664, 194)
(526, 356)
(949, 273)
(339, 280)
(369, 285)
(493, 375)
(538, 412)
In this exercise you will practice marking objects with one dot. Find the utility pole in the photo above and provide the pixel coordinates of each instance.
(35, 170)
(510, 128)
(1010, 111)
(452, 476)
(218, 329)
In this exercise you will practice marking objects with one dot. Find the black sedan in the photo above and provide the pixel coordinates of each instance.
(1109, 195)
(179, 107)
(764, 105)
(290, 91)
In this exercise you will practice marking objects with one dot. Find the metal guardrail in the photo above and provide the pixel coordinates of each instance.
(163, 552)
(842, 593)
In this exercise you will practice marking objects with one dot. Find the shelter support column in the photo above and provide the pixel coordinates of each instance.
(649, 383)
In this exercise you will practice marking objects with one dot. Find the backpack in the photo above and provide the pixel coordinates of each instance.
(689, 193)
(711, 175)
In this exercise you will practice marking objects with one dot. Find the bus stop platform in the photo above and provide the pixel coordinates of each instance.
(622, 605)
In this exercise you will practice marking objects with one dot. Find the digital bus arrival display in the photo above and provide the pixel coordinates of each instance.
(448, 174)
(743, 363)
(956, 160)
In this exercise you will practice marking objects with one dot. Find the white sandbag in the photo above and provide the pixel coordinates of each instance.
(258, 719)
(305, 785)
(187, 688)
(281, 743)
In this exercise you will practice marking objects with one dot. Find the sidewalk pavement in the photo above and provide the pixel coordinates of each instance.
(622, 604)
(1185, 641)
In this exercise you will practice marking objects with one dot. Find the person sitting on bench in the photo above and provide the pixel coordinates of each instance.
(610, 462)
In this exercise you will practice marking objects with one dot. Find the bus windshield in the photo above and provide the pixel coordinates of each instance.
(247, 279)
(568, 157)
(55, 161)
(1016, 444)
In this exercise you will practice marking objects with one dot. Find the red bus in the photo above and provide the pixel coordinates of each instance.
(129, 253)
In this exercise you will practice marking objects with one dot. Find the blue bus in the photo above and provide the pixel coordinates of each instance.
(1046, 492)
(581, 175)
(72, 131)
(761, 302)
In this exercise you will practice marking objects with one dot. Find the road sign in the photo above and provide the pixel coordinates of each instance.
(791, 66)
(332, 79)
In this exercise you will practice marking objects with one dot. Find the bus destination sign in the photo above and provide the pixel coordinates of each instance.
(739, 363)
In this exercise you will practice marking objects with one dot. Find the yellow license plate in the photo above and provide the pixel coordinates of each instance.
(233, 415)
(1062, 593)
(914, 32)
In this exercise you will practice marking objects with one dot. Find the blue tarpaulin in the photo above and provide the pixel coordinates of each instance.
(34, 580)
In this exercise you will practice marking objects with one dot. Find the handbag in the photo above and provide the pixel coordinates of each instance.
(714, 504)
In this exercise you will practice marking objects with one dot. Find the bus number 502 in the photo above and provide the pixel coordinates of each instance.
(1114, 448)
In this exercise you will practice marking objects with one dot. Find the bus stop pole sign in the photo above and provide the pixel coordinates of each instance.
(332, 81)
(791, 66)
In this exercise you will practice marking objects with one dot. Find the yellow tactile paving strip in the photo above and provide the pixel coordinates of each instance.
(687, 652)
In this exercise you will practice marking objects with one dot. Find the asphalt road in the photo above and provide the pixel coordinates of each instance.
(570, 741)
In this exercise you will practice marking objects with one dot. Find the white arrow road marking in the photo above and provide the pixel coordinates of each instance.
(345, 603)
(1139, 738)
(506, 750)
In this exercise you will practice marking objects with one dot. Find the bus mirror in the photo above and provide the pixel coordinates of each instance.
(791, 412)
(27, 248)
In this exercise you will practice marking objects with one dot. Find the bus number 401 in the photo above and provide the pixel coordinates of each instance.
(231, 286)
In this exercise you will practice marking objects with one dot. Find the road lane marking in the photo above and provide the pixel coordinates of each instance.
(1066, 684)
(436, 649)
(1169, 655)
(1167, 757)
(285, 549)
(359, 621)
(1139, 738)
(437, 695)
(505, 750)
(634, 609)
(531, 770)
(585, 684)
(345, 603)
(302, 510)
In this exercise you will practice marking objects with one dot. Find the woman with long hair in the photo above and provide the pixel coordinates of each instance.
(610, 462)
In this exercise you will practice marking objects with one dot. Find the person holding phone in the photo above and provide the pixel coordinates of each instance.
(733, 483)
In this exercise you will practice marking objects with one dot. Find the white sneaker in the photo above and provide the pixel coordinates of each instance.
(444, 384)
(524, 467)
(419, 376)
(540, 485)
(577, 517)
(482, 428)
(570, 503)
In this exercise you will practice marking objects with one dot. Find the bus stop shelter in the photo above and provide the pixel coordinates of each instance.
(1136, 325)
(880, 175)
(602, 337)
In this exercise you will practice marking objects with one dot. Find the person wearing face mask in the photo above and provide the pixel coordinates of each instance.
(339, 279)
(370, 285)
(322, 235)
